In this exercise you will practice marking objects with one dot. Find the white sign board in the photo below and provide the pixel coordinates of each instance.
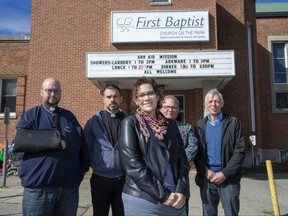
(155, 64)
(160, 26)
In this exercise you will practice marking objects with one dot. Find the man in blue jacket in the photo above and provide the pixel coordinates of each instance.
(51, 178)
(221, 152)
(101, 133)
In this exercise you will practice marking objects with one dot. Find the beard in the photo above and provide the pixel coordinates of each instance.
(54, 102)
(113, 107)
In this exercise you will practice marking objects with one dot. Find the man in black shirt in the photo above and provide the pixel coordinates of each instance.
(101, 133)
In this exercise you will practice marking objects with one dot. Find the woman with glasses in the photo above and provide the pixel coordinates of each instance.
(153, 157)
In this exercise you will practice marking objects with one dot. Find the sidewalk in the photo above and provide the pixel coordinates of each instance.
(255, 195)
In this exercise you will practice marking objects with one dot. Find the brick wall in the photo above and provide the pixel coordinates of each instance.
(232, 34)
(14, 59)
(272, 126)
(62, 32)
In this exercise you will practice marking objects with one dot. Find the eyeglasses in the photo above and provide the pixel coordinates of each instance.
(170, 107)
(49, 91)
(148, 94)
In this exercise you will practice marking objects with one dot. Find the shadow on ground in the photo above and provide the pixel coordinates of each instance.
(280, 171)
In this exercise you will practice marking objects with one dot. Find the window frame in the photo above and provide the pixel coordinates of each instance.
(277, 87)
(181, 109)
(12, 114)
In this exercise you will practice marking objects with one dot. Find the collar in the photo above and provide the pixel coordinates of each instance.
(49, 109)
(218, 118)
(112, 115)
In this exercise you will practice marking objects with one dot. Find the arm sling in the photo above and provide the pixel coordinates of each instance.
(38, 140)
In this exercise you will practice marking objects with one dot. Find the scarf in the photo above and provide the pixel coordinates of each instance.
(158, 125)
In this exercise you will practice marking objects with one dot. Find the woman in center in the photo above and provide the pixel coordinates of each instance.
(153, 156)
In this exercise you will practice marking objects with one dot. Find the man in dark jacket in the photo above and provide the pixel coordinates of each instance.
(51, 177)
(101, 133)
(221, 152)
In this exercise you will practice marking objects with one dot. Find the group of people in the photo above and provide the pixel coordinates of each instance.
(140, 162)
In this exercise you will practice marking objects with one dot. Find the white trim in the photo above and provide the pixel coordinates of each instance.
(281, 87)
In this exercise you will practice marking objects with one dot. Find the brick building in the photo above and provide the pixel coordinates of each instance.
(66, 37)
(271, 80)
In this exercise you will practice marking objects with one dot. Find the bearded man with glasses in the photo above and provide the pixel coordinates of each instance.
(51, 177)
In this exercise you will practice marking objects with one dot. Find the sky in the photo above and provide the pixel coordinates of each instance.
(15, 16)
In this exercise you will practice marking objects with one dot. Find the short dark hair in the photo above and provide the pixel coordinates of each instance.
(145, 80)
(111, 86)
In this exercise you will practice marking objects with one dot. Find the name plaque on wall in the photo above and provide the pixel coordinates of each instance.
(156, 64)
(159, 26)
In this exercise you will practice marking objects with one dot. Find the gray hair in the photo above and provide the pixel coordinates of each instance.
(213, 92)
(171, 97)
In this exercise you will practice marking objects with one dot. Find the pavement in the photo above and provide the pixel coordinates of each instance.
(255, 197)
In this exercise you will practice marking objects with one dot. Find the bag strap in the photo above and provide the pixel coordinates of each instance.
(55, 118)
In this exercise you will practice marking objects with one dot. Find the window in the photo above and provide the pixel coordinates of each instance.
(180, 116)
(279, 60)
(8, 94)
(281, 100)
(160, 2)
(283, 156)
(280, 70)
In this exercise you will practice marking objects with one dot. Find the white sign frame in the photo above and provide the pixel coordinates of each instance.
(160, 64)
(160, 26)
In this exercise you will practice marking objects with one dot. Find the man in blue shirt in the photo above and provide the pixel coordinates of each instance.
(51, 178)
(221, 152)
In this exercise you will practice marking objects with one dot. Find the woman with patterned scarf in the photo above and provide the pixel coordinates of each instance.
(153, 157)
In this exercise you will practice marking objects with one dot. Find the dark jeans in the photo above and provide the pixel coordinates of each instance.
(50, 201)
(106, 192)
(211, 194)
